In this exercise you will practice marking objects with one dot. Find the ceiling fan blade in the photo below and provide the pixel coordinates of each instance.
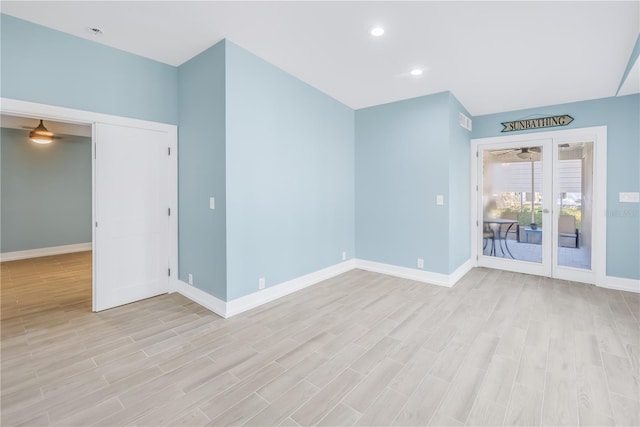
(502, 152)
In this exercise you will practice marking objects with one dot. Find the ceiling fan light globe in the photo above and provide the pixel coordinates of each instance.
(40, 135)
(41, 140)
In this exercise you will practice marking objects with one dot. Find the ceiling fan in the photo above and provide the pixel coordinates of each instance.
(41, 135)
(523, 152)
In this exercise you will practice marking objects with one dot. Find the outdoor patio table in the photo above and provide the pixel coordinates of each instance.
(492, 222)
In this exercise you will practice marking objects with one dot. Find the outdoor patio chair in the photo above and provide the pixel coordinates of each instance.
(567, 228)
(488, 236)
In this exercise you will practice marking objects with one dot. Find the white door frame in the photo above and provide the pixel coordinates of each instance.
(51, 112)
(598, 135)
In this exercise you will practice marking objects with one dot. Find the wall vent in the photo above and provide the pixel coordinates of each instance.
(465, 122)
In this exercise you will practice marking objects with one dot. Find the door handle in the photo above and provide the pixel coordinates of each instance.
(545, 210)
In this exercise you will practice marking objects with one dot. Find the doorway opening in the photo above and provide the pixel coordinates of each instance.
(46, 203)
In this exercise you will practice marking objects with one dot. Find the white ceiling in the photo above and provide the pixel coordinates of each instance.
(494, 56)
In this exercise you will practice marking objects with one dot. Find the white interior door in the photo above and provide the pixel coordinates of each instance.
(131, 199)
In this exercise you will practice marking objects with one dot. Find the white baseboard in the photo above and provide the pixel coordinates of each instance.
(245, 303)
(40, 252)
(622, 284)
(201, 297)
(439, 279)
(242, 304)
(459, 272)
(248, 302)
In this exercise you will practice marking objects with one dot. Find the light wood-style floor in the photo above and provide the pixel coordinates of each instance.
(363, 348)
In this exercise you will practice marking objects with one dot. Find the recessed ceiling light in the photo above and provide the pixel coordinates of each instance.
(416, 72)
(377, 31)
(95, 31)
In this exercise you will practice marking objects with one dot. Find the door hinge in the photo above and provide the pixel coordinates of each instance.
(169, 211)
(168, 151)
(476, 188)
(96, 224)
(169, 272)
(477, 155)
(95, 150)
(477, 224)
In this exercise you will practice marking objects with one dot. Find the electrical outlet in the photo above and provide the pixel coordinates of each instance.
(633, 197)
(261, 283)
(344, 256)
(190, 279)
(420, 263)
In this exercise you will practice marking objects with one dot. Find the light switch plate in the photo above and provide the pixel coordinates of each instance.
(633, 197)
(212, 202)
(439, 200)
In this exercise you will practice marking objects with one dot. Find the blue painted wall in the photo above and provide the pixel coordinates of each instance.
(290, 182)
(459, 203)
(45, 190)
(201, 171)
(402, 164)
(622, 118)
(50, 67)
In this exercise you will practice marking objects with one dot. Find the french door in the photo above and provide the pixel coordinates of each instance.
(515, 206)
(537, 204)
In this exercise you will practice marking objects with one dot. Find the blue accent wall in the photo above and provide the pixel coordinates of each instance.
(459, 203)
(201, 171)
(621, 115)
(290, 175)
(45, 191)
(50, 67)
(407, 153)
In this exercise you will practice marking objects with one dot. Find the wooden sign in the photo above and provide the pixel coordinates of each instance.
(544, 122)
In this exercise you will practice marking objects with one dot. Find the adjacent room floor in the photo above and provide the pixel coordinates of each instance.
(499, 348)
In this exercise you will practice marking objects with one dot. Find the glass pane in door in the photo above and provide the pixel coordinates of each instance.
(574, 204)
(512, 203)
